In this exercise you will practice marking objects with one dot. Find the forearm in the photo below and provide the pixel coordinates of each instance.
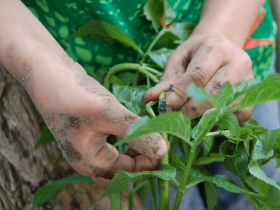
(230, 18)
(33, 57)
(23, 39)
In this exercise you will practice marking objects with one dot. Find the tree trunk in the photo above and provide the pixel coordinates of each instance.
(22, 168)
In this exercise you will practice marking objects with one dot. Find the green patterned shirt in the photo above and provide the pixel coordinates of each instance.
(62, 18)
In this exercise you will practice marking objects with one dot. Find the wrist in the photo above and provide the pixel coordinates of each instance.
(215, 29)
(42, 71)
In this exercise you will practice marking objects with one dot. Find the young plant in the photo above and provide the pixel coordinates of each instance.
(242, 148)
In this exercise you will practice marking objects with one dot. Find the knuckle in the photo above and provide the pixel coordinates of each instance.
(214, 87)
(191, 110)
(199, 76)
(245, 60)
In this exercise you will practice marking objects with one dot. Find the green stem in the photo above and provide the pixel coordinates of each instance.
(131, 67)
(149, 74)
(176, 183)
(154, 192)
(131, 192)
(116, 201)
(164, 185)
(152, 70)
(149, 108)
(151, 46)
(118, 68)
(185, 179)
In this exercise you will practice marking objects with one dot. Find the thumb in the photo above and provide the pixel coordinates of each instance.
(151, 145)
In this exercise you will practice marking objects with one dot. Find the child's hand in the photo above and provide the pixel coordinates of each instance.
(209, 60)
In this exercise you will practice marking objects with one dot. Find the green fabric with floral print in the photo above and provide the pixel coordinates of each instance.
(62, 18)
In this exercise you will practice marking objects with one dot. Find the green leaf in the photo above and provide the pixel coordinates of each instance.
(211, 158)
(131, 97)
(251, 92)
(258, 152)
(91, 207)
(123, 178)
(211, 195)
(115, 200)
(227, 148)
(174, 35)
(170, 14)
(222, 181)
(268, 139)
(207, 121)
(167, 40)
(257, 185)
(223, 98)
(273, 196)
(257, 172)
(230, 122)
(154, 10)
(182, 30)
(46, 136)
(100, 30)
(246, 132)
(255, 93)
(276, 153)
(238, 164)
(246, 144)
(160, 56)
(197, 93)
(127, 77)
(175, 123)
(175, 160)
(220, 101)
(208, 142)
(76, 178)
(48, 192)
(264, 144)
(250, 122)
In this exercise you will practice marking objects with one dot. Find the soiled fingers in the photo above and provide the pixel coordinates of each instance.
(102, 160)
(226, 73)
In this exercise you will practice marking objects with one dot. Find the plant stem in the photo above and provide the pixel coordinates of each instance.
(176, 182)
(152, 70)
(164, 185)
(154, 192)
(149, 74)
(131, 192)
(128, 66)
(118, 68)
(151, 46)
(185, 178)
(116, 201)
(149, 108)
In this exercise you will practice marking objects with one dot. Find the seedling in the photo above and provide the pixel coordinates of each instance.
(216, 137)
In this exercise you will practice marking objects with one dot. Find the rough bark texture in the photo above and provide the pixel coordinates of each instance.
(22, 168)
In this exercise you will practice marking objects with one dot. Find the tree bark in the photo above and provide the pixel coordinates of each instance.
(24, 169)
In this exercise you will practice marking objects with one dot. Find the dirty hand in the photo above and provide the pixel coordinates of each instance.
(81, 114)
(208, 60)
